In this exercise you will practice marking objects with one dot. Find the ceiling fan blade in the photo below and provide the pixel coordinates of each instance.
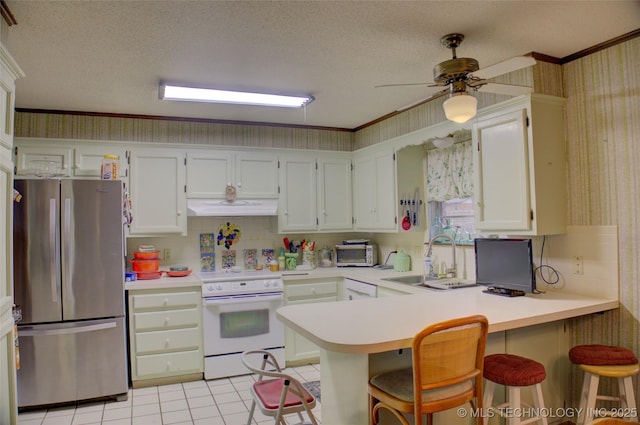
(507, 89)
(504, 67)
(426, 99)
(401, 84)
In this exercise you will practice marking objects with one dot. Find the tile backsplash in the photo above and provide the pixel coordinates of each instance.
(246, 241)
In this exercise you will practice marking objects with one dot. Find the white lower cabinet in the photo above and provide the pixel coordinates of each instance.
(298, 349)
(165, 333)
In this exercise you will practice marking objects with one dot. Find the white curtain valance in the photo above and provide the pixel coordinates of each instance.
(450, 172)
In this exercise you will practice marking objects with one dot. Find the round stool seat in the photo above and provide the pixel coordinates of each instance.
(601, 355)
(618, 371)
(513, 371)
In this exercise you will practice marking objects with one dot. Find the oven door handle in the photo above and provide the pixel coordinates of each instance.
(243, 299)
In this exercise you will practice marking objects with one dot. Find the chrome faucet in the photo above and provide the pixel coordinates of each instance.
(452, 270)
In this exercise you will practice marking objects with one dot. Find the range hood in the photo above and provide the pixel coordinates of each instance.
(239, 207)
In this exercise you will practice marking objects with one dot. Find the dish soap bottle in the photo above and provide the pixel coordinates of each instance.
(428, 267)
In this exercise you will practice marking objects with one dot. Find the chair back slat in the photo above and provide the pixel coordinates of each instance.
(448, 358)
(448, 355)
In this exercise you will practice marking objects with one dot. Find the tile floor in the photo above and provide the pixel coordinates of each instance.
(214, 402)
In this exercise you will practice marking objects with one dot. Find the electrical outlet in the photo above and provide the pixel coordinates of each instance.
(578, 264)
(167, 254)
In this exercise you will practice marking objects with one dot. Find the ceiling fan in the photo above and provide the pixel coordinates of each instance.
(459, 75)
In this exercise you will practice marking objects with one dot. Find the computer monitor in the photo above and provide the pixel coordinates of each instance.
(505, 266)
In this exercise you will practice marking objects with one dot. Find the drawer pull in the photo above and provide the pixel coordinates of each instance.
(166, 321)
(167, 342)
(169, 365)
(166, 301)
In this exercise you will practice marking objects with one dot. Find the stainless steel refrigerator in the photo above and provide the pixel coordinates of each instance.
(69, 260)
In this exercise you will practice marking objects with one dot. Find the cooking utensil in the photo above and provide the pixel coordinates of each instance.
(406, 222)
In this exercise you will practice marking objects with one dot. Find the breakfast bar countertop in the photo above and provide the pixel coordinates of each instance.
(382, 324)
(351, 334)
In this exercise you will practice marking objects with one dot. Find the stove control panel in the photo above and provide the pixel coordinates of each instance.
(236, 287)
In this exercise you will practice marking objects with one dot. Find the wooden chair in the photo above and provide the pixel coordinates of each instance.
(447, 362)
(276, 393)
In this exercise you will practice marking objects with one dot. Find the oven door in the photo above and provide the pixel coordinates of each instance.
(236, 323)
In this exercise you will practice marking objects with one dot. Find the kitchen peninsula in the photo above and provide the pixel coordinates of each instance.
(358, 339)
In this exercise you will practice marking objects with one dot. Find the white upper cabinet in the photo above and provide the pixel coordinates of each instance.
(253, 174)
(256, 175)
(38, 160)
(208, 172)
(158, 186)
(315, 192)
(9, 72)
(519, 167)
(335, 212)
(88, 160)
(297, 204)
(374, 190)
(67, 158)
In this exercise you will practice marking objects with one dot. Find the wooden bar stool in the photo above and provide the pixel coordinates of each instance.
(604, 361)
(514, 372)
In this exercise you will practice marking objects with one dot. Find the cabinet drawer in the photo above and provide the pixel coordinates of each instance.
(166, 300)
(311, 290)
(179, 339)
(169, 363)
(166, 319)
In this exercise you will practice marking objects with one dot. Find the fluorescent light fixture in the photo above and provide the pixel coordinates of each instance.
(195, 94)
(460, 107)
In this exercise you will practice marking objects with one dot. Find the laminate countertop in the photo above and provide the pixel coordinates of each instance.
(383, 324)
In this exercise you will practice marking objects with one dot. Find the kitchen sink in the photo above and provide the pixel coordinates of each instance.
(431, 282)
(415, 279)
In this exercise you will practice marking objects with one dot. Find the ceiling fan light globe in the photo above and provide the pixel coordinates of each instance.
(443, 142)
(460, 108)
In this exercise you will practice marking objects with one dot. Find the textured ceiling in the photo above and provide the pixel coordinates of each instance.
(109, 56)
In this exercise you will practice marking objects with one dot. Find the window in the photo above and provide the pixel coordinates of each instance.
(453, 217)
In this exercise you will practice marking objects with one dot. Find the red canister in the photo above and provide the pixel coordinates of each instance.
(145, 265)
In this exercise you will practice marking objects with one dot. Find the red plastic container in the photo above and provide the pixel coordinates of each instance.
(145, 265)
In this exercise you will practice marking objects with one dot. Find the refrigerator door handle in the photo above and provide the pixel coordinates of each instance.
(54, 266)
(66, 246)
(32, 331)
